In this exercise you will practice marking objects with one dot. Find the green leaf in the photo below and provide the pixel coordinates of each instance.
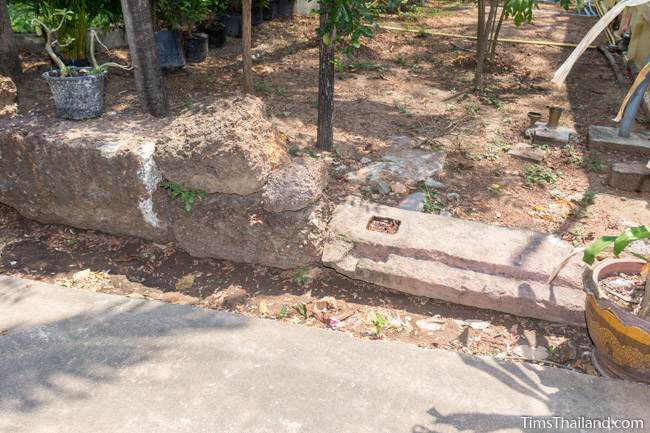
(596, 248)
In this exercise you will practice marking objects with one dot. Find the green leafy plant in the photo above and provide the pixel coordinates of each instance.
(349, 21)
(538, 175)
(284, 312)
(302, 310)
(183, 14)
(301, 276)
(188, 197)
(379, 323)
(431, 203)
(619, 243)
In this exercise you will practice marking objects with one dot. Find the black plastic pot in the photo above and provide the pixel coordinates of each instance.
(257, 15)
(216, 35)
(170, 50)
(233, 25)
(271, 11)
(196, 48)
(77, 98)
(285, 8)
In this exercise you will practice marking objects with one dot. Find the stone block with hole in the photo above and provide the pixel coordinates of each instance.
(606, 139)
(463, 262)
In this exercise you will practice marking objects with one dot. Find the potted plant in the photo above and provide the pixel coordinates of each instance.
(180, 17)
(617, 307)
(214, 27)
(78, 92)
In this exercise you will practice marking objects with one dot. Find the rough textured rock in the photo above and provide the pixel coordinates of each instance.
(227, 147)
(8, 97)
(92, 175)
(234, 227)
(296, 185)
(628, 176)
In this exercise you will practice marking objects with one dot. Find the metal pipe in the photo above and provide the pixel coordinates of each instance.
(633, 107)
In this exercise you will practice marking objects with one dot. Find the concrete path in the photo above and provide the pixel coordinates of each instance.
(79, 362)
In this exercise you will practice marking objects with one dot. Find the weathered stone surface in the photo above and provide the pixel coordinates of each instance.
(296, 185)
(459, 261)
(227, 147)
(8, 97)
(413, 202)
(527, 152)
(542, 134)
(401, 163)
(628, 176)
(606, 139)
(234, 227)
(94, 175)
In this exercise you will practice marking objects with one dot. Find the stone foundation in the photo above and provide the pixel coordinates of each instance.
(102, 175)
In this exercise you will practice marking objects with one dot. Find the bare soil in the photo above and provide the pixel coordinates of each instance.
(397, 84)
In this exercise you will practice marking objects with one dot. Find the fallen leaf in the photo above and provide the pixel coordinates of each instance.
(185, 282)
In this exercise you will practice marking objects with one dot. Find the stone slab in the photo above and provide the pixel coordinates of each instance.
(459, 261)
(542, 134)
(527, 152)
(628, 176)
(605, 138)
(76, 362)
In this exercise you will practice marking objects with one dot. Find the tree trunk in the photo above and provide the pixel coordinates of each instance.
(325, 86)
(142, 46)
(247, 61)
(10, 64)
(495, 35)
(484, 30)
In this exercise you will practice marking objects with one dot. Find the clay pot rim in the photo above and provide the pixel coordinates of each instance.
(593, 276)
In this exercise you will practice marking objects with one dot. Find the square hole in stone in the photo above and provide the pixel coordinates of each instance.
(384, 225)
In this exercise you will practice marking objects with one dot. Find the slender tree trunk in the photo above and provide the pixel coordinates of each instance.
(325, 86)
(247, 61)
(484, 29)
(495, 35)
(142, 46)
(10, 64)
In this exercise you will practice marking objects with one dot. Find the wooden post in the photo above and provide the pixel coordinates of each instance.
(142, 46)
(325, 85)
(247, 61)
(10, 64)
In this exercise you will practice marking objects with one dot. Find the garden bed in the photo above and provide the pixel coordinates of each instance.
(402, 88)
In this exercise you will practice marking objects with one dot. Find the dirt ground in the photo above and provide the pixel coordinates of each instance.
(398, 84)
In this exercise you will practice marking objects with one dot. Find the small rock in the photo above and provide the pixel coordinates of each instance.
(527, 152)
(365, 160)
(178, 298)
(13, 263)
(478, 324)
(445, 213)
(453, 196)
(379, 186)
(398, 188)
(81, 276)
(533, 353)
(434, 184)
(340, 168)
(414, 202)
(430, 324)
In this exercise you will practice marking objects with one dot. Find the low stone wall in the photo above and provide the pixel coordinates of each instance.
(105, 174)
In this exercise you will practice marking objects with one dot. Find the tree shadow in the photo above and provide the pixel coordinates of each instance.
(43, 361)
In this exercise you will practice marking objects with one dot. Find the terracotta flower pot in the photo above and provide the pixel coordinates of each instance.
(621, 339)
